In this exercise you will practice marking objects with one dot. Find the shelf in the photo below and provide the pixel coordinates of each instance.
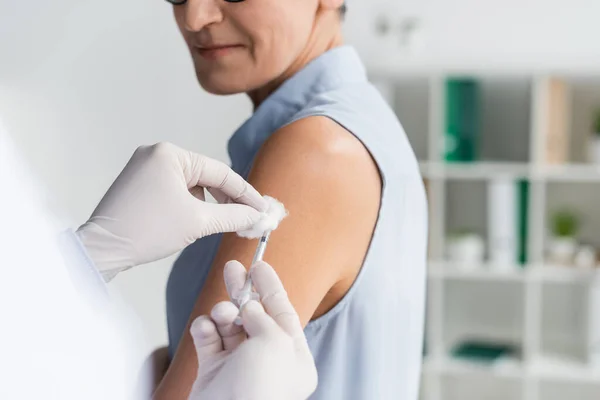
(450, 271)
(517, 273)
(559, 274)
(474, 170)
(504, 368)
(557, 369)
(573, 173)
(543, 368)
(483, 170)
(394, 72)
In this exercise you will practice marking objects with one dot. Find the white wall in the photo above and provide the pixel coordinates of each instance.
(483, 35)
(82, 84)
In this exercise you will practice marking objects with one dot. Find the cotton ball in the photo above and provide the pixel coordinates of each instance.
(270, 220)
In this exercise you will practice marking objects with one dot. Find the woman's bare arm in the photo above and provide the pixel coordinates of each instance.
(331, 187)
(152, 372)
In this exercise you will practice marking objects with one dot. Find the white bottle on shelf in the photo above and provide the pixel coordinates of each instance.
(502, 223)
(595, 148)
(593, 342)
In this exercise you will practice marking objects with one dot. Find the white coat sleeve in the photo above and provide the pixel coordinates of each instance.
(55, 341)
(80, 266)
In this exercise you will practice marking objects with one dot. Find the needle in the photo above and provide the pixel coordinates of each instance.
(245, 293)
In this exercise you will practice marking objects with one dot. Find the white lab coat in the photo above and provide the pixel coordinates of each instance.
(57, 340)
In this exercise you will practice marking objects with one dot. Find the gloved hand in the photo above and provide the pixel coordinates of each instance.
(156, 207)
(266, 359)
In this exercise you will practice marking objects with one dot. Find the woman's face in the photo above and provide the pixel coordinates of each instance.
(242, 46)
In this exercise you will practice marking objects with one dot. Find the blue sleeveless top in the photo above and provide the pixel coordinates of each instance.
(369, 345)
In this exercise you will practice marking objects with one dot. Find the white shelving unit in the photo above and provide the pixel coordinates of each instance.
(536, 374)
(488, 170)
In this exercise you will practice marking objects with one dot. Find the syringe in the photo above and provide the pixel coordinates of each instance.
(245, 293)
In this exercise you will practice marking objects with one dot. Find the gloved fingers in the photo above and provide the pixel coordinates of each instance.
(198, 192)
(256, 321)
(214, 174)
(206, 338)
(219, 196)
(234, 274)
(275, 299)
(224, 315)
(220, 218)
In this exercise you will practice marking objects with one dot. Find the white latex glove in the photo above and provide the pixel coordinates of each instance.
(156, 207)
(266, 359)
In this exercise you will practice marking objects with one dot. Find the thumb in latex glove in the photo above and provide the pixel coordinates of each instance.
(156, 207)
(266, 359)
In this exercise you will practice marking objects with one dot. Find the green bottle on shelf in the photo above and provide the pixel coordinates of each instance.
(462, 120)
(523, 219)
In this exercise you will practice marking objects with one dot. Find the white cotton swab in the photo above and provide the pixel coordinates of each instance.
(270, 220)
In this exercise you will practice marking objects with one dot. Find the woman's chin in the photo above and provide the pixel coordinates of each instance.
(221, 87)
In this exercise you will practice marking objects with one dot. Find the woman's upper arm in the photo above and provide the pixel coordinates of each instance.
(331, 188)
(314, 167)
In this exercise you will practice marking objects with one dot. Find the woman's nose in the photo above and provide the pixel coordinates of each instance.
(201, 13)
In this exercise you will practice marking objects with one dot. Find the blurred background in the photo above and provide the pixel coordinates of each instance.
(501, 101)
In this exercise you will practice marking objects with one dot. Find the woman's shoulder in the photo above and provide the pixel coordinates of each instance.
(359, 108)
(358, 95)
(318, 154)
(358, 114)
(317, 142)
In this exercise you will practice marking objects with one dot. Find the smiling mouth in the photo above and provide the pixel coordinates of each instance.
(215, 52)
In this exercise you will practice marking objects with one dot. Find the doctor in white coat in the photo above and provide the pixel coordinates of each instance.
(60, 337)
